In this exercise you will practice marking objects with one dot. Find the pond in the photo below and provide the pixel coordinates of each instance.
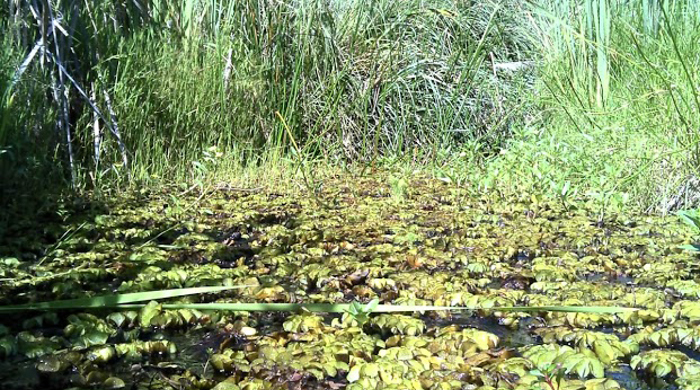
(429, 244)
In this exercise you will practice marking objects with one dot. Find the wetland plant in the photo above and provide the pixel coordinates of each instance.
(360, 313)
(692, 219)
(552, 375)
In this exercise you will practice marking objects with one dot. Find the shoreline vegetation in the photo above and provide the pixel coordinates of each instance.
(590, 99)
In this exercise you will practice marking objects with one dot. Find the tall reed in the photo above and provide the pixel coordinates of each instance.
(621, 91)
(165, 80)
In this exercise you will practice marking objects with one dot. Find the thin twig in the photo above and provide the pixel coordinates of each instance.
(82, 92)
(227, 187)
(115, 130)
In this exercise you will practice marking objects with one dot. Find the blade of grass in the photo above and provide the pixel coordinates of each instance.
(124, 301)
(343, 307)
(681, 58)
(115, 300)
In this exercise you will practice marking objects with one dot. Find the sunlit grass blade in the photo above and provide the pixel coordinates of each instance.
(343, 307)
(690, 248)
(568, 309)
(689, 217)
(103, 301)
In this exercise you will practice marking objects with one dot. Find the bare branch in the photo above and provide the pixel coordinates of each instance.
(115, 130)
(97, 132)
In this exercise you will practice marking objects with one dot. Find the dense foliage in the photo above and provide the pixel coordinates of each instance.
(196, 194)
(421, 244)
(501, 93)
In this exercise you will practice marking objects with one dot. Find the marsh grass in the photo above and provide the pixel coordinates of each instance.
(131, 301)
(115, 300)
(637, 142)
(354, 80)
(609, 102)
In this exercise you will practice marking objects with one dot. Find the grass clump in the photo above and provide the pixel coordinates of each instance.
(637, 141)
(496, 95)
(353, 80)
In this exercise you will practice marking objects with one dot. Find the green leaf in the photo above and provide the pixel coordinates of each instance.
(114, 300)
(114, 383)
(371, 306)
(584, 365)
(370, 369)
(228, 384)
(635, 361)
(691, 248)
(565, 189)
(605, 352)
(354, 374)
(95, 338)
(537, 373)
(102, 355)
(354, 308)
(149, 312)
(662, 368)
(51, 364)
(117, 318)
(8, 346)
(690, 219)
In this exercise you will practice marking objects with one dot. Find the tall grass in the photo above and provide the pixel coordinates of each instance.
(6, 71)
(135, 300)
(613, 109)
(27, 152)
(619, 86)
(353, 79)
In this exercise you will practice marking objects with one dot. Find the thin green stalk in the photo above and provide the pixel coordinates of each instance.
(114, 300)
(128, 301)
(682, 60)
(663, 79)
(343, 307)
(309, 186)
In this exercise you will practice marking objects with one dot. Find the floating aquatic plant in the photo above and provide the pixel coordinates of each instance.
(431, 292)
